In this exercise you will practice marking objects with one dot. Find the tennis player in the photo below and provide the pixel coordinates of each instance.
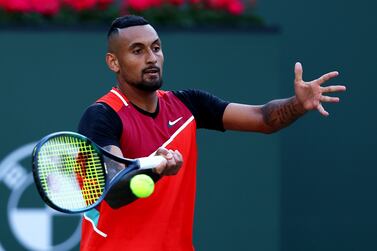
(136, 119)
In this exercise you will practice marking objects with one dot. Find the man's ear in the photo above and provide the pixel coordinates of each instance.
(112, 62)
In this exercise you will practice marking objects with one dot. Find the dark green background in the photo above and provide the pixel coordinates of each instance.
(309, 187)
(329, 171)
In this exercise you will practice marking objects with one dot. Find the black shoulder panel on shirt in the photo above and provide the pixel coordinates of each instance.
(101, 124)
(207, 109)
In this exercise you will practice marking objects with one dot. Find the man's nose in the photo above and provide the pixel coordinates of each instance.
(151, 57)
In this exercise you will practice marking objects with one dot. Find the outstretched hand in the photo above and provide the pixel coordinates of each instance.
(311, 94)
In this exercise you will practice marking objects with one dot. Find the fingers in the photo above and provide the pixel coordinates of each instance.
(167, 155)
(333, 88)
(329, 99)
(174, 164)
(174, 161)
(178, 157)
(298, 72)
(327, 77)
(162, 151)
(322, 110)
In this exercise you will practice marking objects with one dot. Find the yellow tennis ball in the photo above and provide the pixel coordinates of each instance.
(142, 185)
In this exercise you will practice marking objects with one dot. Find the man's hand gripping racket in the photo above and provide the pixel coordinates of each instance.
(70, 172)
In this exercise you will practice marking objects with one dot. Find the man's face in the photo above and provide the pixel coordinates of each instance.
(140, 57)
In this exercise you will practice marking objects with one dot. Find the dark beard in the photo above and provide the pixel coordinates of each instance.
(148, 86)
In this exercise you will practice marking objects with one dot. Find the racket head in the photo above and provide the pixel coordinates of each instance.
(69, 172)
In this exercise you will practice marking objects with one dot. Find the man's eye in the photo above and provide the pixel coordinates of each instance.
(136, 51)
(156, 48)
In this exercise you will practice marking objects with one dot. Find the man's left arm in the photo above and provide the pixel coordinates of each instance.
(278, 114)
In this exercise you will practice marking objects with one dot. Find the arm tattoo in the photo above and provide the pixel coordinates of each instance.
(278, 114)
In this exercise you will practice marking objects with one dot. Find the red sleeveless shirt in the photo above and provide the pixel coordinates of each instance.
(163, 221)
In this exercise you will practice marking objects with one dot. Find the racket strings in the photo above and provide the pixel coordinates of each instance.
(71, 172)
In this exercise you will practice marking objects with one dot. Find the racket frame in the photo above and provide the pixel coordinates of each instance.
(131, 165)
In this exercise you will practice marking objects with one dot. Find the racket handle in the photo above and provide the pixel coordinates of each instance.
(150, 162)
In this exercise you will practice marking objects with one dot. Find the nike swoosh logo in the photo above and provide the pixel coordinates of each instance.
(171, 123)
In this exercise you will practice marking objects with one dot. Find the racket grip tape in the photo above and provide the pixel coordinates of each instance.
(150, 162)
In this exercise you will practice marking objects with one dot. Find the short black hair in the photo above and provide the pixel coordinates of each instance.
(124, 22)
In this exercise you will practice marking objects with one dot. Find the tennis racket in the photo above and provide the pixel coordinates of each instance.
(70, 172)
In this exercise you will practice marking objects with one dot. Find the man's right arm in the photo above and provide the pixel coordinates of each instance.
(121, 194)
(101, 124)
